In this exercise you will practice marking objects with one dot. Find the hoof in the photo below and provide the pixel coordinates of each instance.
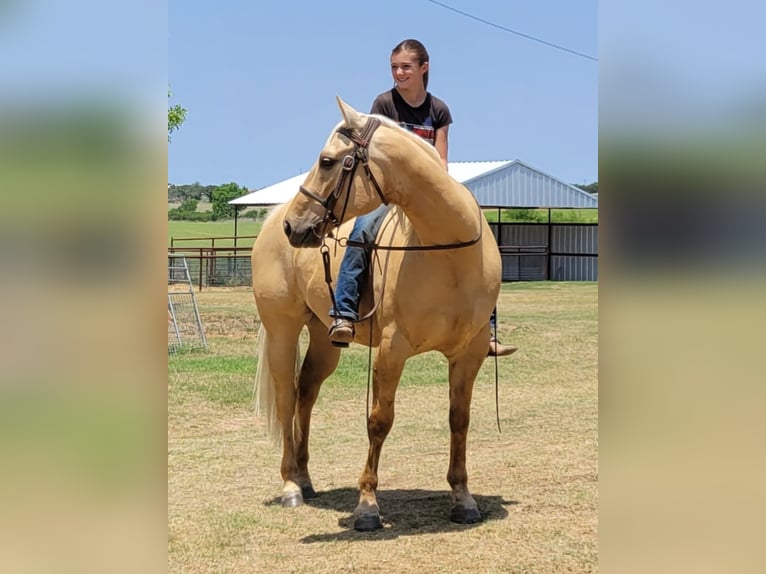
(308, 492)
(292, 499)
(368, 522)
(463, 515)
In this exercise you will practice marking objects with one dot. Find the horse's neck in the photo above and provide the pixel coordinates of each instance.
(440, 210)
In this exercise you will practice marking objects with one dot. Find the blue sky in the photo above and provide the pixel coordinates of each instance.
(54, 50)
(259, 78)
(259, 81)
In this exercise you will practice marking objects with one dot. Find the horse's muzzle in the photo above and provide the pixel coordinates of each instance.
(301, 236)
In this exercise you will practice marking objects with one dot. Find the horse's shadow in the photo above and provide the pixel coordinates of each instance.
(404, 512)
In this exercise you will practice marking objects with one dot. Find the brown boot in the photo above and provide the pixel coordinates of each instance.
(497, 349)
(341, 332)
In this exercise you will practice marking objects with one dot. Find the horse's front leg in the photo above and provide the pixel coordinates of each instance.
(387, 372)
(320, 361)
(281, 351)
(462, 374)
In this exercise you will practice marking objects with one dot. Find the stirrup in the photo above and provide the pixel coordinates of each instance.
(341, 332)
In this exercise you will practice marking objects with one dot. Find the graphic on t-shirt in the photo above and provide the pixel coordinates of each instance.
(426, 132)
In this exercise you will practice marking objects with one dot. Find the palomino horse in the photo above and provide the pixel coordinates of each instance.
(437, 280)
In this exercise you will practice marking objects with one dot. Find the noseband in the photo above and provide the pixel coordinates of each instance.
(358, 155)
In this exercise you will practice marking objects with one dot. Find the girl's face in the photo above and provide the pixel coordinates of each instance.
(406, 71)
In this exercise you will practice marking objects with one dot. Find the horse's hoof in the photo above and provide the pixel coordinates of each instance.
(463, 515)
(368, 522)
(308, 492)
(292, 499)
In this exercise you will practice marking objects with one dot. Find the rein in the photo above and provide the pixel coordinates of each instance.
(345, 242)
(378, 246)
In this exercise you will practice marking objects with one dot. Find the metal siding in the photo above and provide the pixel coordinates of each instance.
(574, 239)
(580, 239)
(523, 267)
(574, 268)
(520, 234)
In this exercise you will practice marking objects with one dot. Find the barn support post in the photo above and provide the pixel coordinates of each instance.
(236, 217)
(549, 267)
(500, 241)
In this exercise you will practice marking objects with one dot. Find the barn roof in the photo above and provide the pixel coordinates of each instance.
(494, 183)
(517, 184)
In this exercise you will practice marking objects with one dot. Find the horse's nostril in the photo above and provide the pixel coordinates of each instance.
(287, 228)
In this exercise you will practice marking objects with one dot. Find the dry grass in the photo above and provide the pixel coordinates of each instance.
(536, 481)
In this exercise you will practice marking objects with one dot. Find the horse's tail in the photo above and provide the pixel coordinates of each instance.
(265, 396)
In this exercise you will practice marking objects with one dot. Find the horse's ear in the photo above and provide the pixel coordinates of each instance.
(351, 117)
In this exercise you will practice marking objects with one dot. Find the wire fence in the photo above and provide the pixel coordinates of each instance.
(529, 251)
(217, 266)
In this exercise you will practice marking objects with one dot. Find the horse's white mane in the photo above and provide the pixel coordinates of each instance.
(419, 140)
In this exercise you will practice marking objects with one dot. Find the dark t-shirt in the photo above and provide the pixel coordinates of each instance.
(424, 120)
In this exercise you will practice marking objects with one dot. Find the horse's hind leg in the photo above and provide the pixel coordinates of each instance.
(319, 363)
(462, 374)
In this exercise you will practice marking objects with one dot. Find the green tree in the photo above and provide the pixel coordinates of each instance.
(590, 188)
(176, 116)
(194, 190)
(189, 205)
(221, 197)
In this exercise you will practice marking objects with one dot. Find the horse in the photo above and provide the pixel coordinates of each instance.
(438, 278)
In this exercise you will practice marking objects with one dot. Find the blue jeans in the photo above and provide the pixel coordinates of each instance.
(493, 321)
(356, 262)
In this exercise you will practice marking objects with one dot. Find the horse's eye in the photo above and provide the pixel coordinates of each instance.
(326, 161)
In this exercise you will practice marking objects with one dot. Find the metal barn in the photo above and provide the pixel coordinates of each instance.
(538, 251)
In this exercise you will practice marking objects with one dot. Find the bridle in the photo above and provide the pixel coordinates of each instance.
(350, 162)
(346, 178)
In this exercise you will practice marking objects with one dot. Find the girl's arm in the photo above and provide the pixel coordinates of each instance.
(440, 143)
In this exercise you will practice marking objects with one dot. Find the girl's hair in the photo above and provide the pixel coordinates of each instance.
(411, 45)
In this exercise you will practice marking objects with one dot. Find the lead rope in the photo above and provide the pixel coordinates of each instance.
(497, 381)
(325, 251)
(369, 372)
(371, 316)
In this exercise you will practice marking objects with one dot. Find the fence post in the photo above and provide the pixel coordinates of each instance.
(200, 269)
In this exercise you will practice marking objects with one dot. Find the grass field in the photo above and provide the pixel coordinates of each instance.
(536, 481)
(541, 215)
(207, 229)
